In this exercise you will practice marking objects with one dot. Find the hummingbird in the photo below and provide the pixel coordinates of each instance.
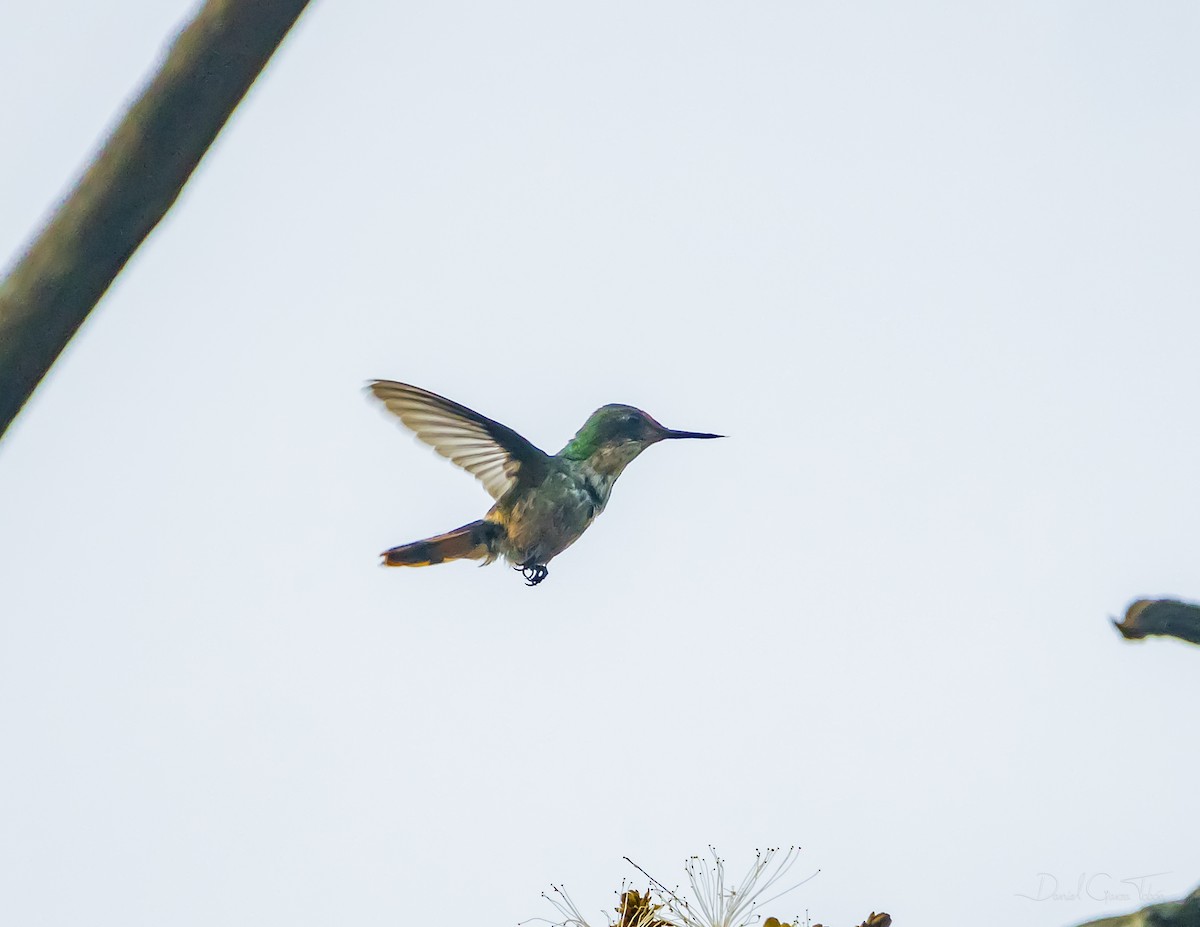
(543, 502)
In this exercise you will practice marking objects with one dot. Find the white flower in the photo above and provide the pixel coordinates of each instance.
(566, 908)
(633, 910)
(714, 904)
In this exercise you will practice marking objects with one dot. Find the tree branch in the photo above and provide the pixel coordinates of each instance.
(131, 184)
(1185, 913)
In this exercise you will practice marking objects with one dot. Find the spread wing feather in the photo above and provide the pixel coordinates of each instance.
(493, 453)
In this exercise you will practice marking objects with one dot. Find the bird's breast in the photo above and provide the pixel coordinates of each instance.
(546, 521)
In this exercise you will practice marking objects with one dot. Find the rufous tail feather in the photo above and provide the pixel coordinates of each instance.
(470, 542)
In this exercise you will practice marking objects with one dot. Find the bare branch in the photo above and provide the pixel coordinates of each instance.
(131, 184)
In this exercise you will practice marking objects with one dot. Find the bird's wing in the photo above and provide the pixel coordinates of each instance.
(493, 453)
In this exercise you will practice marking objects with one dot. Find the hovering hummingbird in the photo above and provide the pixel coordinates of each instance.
(543, 502)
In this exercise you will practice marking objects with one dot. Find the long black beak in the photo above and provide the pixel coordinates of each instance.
(672, 433)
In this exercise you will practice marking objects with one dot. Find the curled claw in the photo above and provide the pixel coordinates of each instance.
(534, 573)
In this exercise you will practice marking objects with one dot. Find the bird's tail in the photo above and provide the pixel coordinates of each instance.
(475, 541)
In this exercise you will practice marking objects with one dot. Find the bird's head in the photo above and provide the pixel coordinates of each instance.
(615, 434)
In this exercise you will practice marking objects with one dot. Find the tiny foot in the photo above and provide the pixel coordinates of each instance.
(534, 573)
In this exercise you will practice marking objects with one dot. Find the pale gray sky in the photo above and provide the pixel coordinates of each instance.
(932, 267)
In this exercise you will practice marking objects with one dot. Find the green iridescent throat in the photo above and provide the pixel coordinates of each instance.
(585, 442)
